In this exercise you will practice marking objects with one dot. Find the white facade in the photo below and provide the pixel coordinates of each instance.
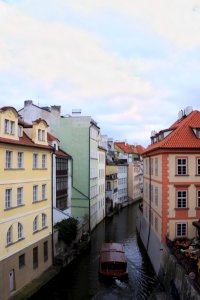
(101, 184)
(122, 184)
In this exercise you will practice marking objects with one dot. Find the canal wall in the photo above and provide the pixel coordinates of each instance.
(170, 273)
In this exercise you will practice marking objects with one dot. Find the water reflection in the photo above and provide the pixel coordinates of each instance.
(80, 280)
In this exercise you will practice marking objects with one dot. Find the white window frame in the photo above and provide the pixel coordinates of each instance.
(181, 165)
(198, 198)
(44, 161)
(35, 224)
(35, 193)
(181, 229)
(44, 191)
(19, 196)
(9, 158)
(44, 220)
(35, 160)
(20, 231)
(8, 198)
(9, 236)
(20, 160)
(6, 126)
(181, 198)
(12, 127)
(198, 166)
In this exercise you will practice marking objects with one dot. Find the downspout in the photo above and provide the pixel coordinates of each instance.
(89, 182)
(52, 195)
(149, 203)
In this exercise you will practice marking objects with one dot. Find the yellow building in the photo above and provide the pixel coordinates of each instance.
(25, 206)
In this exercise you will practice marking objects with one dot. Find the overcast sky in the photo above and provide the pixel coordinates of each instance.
(130, 64)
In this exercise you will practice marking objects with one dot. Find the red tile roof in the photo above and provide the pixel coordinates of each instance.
(182, 135)
(51, 137)
(24, 141)
(129, 149)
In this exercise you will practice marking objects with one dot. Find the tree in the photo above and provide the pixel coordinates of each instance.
(67, 230)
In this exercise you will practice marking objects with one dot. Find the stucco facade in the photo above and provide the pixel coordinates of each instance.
(25, 209)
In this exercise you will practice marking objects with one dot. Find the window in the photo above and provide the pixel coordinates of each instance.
(198, 166)
(35, 193)
(35, 224)
(12, 127)
(35, 161)
(20, 159)
(181, 230)
(19, 196)
(44, 191)
(181, 199)
(198, 199)
(9, 236)
(6, 126)
(8, 198)
(44, 220)
(20, 231)
(108, 186)
(156, 166)
(181, 166)
(43, 135)
(156, 195)
(39, 135)
(45, 251)
(35, 257)
(44, 161)
(21, 261)
(156, 223)
(8, 159)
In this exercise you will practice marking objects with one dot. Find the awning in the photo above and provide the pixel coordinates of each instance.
(196, 224)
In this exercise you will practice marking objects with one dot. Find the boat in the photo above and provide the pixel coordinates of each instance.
(112, 261)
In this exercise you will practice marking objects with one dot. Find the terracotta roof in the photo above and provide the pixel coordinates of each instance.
(23, 141)
(51, 137)
(182, 135)
(62, 153)
(125, 147)
(139, 149)
(129, 149)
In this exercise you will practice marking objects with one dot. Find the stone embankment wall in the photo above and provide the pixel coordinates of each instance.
(170, 273)
(175, 279)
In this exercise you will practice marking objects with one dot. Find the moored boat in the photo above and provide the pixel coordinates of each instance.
(112, 261)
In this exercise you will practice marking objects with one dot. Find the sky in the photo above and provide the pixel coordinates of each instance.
(131, 65)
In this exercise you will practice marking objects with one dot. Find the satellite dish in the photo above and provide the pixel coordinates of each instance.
(188, 110)
(180, 114)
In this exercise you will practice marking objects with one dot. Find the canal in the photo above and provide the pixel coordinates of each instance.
(80, 281)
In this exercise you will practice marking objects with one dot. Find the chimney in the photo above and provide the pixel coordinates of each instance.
(28, 102)
(56, 108)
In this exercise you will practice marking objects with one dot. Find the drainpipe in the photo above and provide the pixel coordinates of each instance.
(52, 198)
(89, 182)
(149, 203)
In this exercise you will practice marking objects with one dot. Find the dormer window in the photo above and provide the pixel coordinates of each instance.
(9, 127)
(20, 131)
(198, 133)
(6, 126)
(41, 135)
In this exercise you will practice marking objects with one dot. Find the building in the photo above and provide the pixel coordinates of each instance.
(135, 181)
(25, 209)
(61, 181)
(111, 188)
(101, 184)
(78, 136)
(171, 200)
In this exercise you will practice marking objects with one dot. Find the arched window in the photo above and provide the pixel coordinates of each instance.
(20, 231)
(9, 236)
(44, 220)
(35, 224)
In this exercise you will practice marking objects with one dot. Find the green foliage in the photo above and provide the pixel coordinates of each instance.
(67, 230)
